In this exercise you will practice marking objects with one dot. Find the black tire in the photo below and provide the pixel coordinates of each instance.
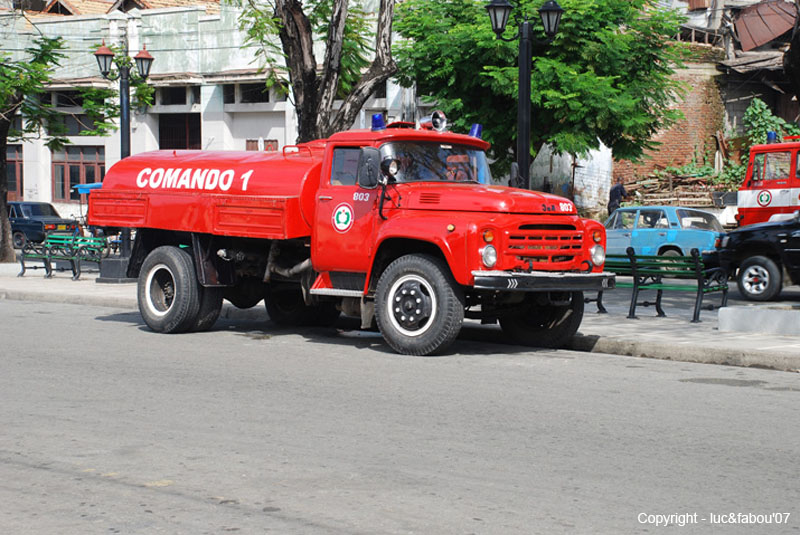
(419, 307)
(759, 279)
(19, 239)
(168, 292)
(210, 307)
(549, 326)
(286, 307)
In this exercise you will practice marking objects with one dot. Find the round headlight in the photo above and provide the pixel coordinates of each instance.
(598, 255)
(489, 256)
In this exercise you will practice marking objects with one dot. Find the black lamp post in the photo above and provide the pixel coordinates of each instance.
(550, 12)
(143, 60)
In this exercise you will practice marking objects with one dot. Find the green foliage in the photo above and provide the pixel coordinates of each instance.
(98, 105)
(261, 27)
(607, 76)
(759, 119)
(22, 83)
(732, 175)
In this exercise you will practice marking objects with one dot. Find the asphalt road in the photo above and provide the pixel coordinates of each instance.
(106, 427)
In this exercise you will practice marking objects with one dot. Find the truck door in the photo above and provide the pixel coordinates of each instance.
(342, 239)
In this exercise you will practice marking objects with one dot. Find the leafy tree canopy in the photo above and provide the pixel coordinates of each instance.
(607, 76)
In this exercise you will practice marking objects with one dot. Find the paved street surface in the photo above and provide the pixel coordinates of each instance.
(110, 428)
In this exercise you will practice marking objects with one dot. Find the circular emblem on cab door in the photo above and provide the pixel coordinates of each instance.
(343, 217)
(764, 198)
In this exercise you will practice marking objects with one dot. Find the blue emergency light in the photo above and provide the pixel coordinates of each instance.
(476, 130)
(377, 122)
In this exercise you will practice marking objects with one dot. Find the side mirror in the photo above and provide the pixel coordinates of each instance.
(513, 181)
(390, 167)
(369, 169)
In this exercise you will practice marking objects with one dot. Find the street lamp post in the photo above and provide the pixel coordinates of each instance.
(550, 12)
(143, 60)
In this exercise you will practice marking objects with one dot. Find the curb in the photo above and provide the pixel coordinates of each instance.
(781, 361)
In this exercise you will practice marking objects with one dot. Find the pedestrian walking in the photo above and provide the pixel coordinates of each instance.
(616, 195)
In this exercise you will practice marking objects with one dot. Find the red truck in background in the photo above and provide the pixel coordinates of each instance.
(400, 226)
(771, 188)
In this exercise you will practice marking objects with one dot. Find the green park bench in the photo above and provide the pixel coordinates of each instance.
(67, 247)
(665, 273)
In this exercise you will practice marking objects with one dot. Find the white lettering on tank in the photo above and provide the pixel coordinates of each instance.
(183, 181)
(170, 177)
(212, 178)
(225, 180)
(141, 179)
(246, 179)
(199, 178)
(156, 178)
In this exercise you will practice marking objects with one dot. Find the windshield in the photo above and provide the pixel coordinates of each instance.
(439, 162)
(38, 210)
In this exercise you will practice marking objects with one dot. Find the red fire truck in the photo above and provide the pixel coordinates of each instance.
(400, 226)
(771, 188)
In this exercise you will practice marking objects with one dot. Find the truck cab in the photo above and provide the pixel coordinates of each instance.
(771, 188)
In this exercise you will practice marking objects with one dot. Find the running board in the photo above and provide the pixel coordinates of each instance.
(336, 292)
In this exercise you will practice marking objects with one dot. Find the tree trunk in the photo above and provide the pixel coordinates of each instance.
(314, 96)
(297, 40)
(6, 245)
(382, 67)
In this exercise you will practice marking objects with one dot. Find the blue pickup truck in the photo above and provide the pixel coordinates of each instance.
(31, 221)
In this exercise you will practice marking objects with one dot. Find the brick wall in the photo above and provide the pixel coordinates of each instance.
(693, 136)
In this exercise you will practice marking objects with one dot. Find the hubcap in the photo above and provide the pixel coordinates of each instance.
(160, 286)
(755, 280)
(412, 302)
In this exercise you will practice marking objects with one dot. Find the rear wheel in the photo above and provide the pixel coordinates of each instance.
(759, 279)
(545, 325)
(419, 308)
(19, 239)
(168, 292)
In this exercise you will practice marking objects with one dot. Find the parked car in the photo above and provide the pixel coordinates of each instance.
(763, 257)
(661, 230)
(30, 221)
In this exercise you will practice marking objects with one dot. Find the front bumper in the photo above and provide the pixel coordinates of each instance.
(543, 281)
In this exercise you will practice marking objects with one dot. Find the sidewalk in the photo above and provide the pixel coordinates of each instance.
(670, 338)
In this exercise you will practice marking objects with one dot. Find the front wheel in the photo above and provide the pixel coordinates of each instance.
(759, 279)
(419, 308)
(168, 292)
(545, 325)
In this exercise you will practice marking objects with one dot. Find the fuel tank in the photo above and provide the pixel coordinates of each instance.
(249, 194)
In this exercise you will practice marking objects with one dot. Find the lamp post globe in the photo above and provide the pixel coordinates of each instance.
(499, 11)
(143, 62)
(551, 17)
(105, 57)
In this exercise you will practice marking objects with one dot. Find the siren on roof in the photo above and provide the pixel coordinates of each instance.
(377, 122)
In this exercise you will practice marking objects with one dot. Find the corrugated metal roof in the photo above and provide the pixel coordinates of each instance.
(759, 24)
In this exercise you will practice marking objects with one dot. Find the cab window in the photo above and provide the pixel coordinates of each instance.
(344, 170)
(12, 211)
(772, 166)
